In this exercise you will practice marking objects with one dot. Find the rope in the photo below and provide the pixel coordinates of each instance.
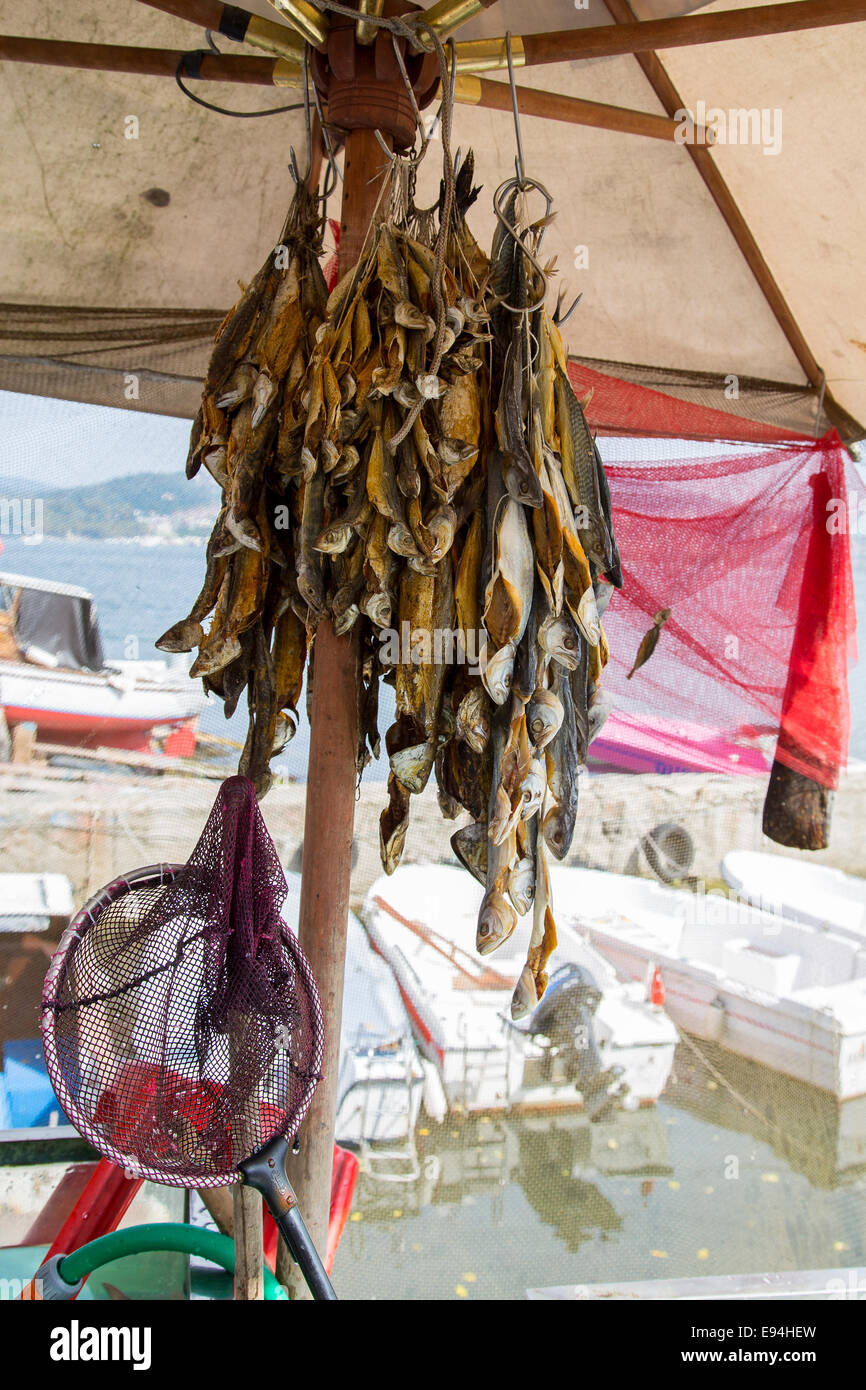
(741, 1100)
(444, 227)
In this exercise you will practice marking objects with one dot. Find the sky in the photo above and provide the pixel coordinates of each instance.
(64, 444)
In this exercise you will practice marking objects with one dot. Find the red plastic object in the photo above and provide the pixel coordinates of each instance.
(344, 1175)
(99, 1209)
(657, 993)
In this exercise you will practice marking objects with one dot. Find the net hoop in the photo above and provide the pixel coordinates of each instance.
(151, 876)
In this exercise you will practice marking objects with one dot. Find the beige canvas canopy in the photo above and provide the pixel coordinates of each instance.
(121, 194)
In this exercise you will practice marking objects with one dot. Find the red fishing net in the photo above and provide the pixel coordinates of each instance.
(746, 543)
(181, 1023)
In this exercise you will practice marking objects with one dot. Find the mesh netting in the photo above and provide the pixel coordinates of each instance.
(181, 1023)
(742, 548)
(631, 398)
(89, 354)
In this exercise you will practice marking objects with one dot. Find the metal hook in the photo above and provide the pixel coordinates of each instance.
(332, 177)
(559, 318)
(425, 139)
(390, 155)
(518, 163)
(498, 199)
(308, 122)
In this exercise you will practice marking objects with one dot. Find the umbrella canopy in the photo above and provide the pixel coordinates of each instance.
(121, 194)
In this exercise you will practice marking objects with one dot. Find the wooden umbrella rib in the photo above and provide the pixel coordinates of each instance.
(647, 36)
(471, 90)
(738, 226)
(143, 62)
(496, 96)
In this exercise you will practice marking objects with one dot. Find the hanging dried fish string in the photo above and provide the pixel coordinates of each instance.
(249, 434)
(407, 457)
(550, 540)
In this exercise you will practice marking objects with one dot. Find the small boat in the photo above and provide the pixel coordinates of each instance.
(592, 1042)
(807, 1128)
(53, 674)
(381, 1079)
(787, 994)
(823, 897)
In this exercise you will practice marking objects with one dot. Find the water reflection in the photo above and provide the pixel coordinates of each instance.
(557, 1159)
(809, 1129)
(737, 1170)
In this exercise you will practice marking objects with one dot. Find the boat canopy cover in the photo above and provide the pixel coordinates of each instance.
(63, 624)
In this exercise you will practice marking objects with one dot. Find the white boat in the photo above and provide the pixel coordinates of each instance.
(823, 897)
(602, 1035)
(33, 902)
(381, 1079)
(787, 994)
(53, 674)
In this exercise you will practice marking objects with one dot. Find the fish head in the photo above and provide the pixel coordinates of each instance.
(525, 996)
(555, 832)
(559, 638)
(377, 608)
(496, 921)
(532, 788)
(473, 719)
(544, 716)
(522, 485)
(521, 884)
(497, 671)
(469, 843)
(412, 766)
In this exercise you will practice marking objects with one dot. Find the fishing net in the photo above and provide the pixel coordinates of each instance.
(181, 1023)
(749, 549)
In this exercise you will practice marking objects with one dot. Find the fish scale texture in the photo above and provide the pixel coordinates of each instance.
(181, 1020)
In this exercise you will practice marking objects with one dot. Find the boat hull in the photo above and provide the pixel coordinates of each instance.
(97, 709)
(748, 1000)
(782, 1035)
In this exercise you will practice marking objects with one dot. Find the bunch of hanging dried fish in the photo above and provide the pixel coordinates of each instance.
(550, 559)
(407, 458)
(248, 434)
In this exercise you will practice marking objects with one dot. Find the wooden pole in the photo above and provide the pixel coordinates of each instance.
(269, 72)
(472, 90)
(643, 36)
(330, 806)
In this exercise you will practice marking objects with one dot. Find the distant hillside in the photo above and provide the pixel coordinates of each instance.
(134, 505)
(14, 486)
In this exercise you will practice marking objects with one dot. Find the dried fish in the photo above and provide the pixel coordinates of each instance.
(406, 457)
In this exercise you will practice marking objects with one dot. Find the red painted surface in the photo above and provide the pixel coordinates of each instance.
(344, 1175)
(180, 742)
(101, 731)
(98, 1210)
